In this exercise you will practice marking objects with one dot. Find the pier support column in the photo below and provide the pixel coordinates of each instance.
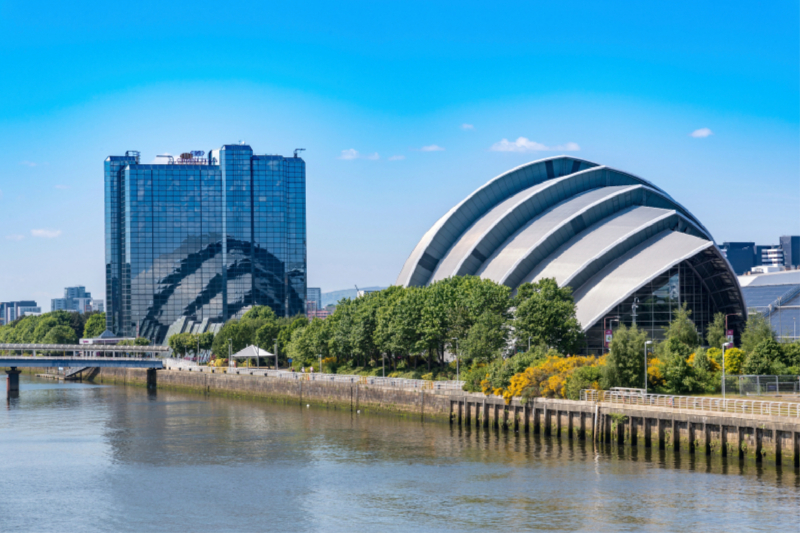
(12, 383)
(776, 438)
(723, 440)
(152, 381)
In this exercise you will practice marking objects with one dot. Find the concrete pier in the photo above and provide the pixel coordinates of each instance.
(12, 383)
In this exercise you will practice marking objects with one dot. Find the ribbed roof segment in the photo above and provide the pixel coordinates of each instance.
(601, 231)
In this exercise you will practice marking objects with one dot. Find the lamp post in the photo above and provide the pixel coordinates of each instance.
(634, 307)
(646, 344)
(529, 344)
(230, 352)
(457, 369)
(724, 346)
(276, 354)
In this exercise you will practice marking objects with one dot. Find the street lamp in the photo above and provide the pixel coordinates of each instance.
(230, 352)
(276, 354)
(457, 369)
(645, 364)
(724, 346)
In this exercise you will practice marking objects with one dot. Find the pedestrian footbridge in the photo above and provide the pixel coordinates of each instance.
(16, 356)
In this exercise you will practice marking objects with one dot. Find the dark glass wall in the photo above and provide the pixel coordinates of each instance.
(694, 282)
(203, 240)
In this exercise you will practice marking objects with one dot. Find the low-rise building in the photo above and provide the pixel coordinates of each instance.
(10, 311)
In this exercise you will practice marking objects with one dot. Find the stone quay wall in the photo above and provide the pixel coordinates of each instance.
(763, 439)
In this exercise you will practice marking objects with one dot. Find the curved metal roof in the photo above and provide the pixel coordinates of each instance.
(601, 231)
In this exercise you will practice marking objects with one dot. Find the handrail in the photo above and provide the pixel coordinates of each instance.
(699, 403)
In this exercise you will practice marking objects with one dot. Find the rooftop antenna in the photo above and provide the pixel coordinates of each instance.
(296, 150)
(171, 159)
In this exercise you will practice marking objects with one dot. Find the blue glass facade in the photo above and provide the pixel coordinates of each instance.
(203, 238)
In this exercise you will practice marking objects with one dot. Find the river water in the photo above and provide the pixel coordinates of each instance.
(78, 457)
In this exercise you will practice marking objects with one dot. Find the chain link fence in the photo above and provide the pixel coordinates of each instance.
(762, 385)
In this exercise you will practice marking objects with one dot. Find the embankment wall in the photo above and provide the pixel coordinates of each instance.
(763, 439)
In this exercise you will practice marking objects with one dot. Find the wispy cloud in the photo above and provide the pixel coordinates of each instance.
(46, 233)
(62, 187)
(352, 153)
(432, 148)
(467, 127)
(525, 145)
(397, 158)
(702, 133)
(15, 237)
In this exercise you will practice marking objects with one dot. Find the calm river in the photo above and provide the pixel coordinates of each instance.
(85, 458)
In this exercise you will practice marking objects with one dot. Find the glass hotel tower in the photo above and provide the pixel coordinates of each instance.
(203, 238)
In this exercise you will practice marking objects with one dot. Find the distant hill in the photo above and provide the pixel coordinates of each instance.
(333, 297)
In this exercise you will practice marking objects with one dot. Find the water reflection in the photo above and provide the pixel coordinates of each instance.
(145, 460)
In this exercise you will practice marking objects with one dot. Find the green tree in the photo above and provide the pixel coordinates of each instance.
(765, 358)
(678, 374)
(60, 335)
(260, 312)
(756, 331)
(95, 326)
(625, 361)
(683, 329)
(715, 332)
(545, 313)
(485, 339)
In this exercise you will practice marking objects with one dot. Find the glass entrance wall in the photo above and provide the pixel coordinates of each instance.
(657, 303)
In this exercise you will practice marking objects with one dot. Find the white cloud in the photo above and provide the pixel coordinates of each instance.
(62, 187)
(15, 237)
(432, 148)
(397, 158)
(525, 145)
(467, 127)
(702, 133)
(46, 233)
(352, 153)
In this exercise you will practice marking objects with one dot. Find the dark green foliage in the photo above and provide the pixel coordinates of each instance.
(625, 361)
(715, 332)
(36, 329)
(682, 329)
(546, 314)
(583, 377)
(500, 371)
(766, 358)
(756, 331)
(678, 374)
(60, 335)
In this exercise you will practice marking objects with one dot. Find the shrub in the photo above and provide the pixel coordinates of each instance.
(549, 378)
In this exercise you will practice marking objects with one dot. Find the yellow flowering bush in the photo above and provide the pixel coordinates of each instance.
(549, 379)
(734, 358)
(655, 372)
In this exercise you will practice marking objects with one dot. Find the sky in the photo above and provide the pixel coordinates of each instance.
(403, 108)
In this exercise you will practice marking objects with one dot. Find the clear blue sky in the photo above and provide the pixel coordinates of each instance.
(365, 88)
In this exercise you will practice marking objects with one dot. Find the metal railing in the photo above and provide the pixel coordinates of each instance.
(400, 383)
(763, 385)
(695, 403)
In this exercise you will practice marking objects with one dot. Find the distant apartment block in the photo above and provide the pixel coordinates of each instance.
(10, 311)
(314, 294)
(76, 299)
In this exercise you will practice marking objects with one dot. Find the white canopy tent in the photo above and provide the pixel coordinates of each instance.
(251, 352)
